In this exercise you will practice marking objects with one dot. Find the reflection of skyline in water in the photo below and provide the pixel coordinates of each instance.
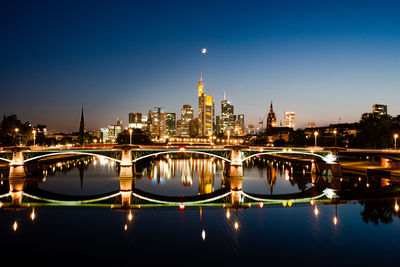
(187, 170)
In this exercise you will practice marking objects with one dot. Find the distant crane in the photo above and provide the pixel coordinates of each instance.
(262, 121)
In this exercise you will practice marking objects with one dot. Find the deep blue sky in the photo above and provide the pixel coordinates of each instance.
(321, 59)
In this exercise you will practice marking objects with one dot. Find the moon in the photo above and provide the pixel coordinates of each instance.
(204, 51)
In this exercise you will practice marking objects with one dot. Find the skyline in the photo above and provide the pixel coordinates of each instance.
(322, 60)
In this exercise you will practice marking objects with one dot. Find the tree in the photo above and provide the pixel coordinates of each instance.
(375, 131)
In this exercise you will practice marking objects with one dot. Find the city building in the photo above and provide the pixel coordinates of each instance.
(311, 124)
(157, 123)
(289, 119)
(110, 133)
(227, 120)
(135, 120)
(240, 125)
(186, 117)
(379, 109)
(271, 118)
(170, 124)
(251, 129)
(206, 111)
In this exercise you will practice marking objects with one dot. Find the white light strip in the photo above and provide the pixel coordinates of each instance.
(72, 202)
(177, 203)
(5, 195)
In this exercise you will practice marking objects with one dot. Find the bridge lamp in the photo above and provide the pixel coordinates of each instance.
(130, 135)
(335, 132)
(395, 138)
(315, 134)
(34, 137)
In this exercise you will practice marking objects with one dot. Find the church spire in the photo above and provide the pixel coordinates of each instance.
(271, 108)
(82, 124)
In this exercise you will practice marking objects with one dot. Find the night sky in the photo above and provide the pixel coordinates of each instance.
(321, 59)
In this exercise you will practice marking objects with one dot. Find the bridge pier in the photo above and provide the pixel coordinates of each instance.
(125, 184)
(16, 189)
(235, 167)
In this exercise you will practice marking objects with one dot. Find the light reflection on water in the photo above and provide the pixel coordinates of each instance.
(274, 234)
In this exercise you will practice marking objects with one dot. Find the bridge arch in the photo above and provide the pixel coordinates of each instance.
(6, 160)
(70, 153)
(290, 152)
(181, 151)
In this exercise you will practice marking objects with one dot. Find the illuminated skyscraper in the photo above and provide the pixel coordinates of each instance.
(157, 122)
(289, 119)
(206, 111)
(271, 119)
(186, 117)
(227, 119)
(239, 128)
(135, 120)
(170, 122)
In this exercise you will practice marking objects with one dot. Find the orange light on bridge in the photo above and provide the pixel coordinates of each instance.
(181, 206)
(260, 149)
(261, 204)
(312, 202)
(284, 203)
(182, 148)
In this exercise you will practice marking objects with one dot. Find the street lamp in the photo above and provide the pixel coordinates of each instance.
(335, 132)
(130, 136)
(34, 137)
(315, 134)
(16, 130)
(395, 138)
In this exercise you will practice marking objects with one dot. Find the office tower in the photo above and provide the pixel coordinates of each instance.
(157, 122)
(225, 122)
(170, 124)
(289, 119)
(239, 128)
(186, 116)
(251, 129)
(135, 120)
(206, 111)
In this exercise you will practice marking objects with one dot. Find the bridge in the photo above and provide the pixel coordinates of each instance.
(128, 155)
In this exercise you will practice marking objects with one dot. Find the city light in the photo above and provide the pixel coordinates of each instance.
(130, 216)
(236, 225)
(228, 214)
(181, 206)
(316, 211)
(335, 220)
(203, 234)
(33, 215)
(15, 226)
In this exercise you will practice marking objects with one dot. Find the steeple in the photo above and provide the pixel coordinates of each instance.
(271, 108)
(82, 124)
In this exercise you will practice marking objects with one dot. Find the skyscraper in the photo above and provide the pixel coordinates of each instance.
(227, 119)
(289, 119)
(157, 122)
(135, 120)
(186, 117)
(170, 124)
(206, 111)
(271, 119)
(240, 124)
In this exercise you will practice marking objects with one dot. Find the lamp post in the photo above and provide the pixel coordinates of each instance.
(34, 137)
(130, 136)
(395, 138)
(16, 130)
(315, 134)
(335, 132)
